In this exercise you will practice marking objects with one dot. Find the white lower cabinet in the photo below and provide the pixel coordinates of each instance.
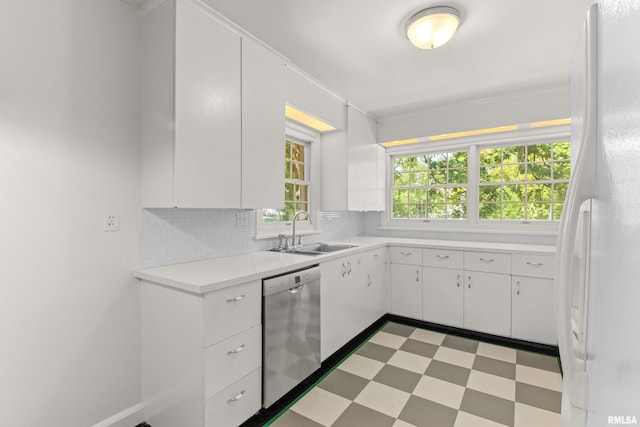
(487, 303)
(442, 296)
(377, 297)
(201, 355)
(342, 302)
(406, 290)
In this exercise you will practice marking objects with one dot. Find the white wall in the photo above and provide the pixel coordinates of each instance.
(513, 108)
(69, 308)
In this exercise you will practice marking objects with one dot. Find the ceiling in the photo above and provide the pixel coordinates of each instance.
(357, 47)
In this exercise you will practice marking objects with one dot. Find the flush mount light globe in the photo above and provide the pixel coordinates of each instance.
(432, 27)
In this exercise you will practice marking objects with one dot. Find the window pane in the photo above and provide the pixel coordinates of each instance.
(557, 211)
(436, 195)
(458, 159)
(437, 210)
(539, 171)
(560, 191)
(417, 196)
(400, 211)
(420, 163)
(491, 156)
(458, 211)
(418, 178)
(513, 193)
(288, 212)
(561, 170)
(401, 179)
(400, 196)
(513, 211)
(297, 152)
(297, 171)
(402, 164)
(491, 193)
(514, 154)
(287, 170)
(489, 211)
(491, 174)
(289, 192)
(302, 207)
(457, 194)
(513, 173)
(302, 193)
(417, 211)
(437, 176)
(540, 211)
(539, 152)
(539, 193)
(438, 161)
(561, 151)
(457, 176)
(287, 150)
(270, 215)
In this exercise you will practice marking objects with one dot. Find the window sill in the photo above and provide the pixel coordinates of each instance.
(474, 229)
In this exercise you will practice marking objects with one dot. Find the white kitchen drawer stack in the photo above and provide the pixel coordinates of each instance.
(202, 355)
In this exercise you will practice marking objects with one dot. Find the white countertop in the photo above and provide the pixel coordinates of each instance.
(209, 275)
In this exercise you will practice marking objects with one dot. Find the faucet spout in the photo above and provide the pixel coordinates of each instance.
(293, 236)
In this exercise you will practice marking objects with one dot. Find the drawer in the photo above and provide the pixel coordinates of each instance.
(406, 255)
(376, 257)
(236, 403)
(232, 359)
(532, 265)
(442, 258)
(231, 310)
(489, 262)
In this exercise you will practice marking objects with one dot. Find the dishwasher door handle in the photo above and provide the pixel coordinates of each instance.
(295, 290)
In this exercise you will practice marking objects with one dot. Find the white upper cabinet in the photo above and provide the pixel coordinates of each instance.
(353, 167)
(207, 111)
(204, 105)
(263, 125)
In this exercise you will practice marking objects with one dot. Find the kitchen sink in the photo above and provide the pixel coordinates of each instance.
(317, 248)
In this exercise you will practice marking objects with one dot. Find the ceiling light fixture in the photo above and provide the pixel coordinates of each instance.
(432, 27)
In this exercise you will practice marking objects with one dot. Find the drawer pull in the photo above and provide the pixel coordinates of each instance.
(406, 253)
(518, 288)
(236, 350)
(487, 259)
(535, 264)
(236, 299)
(458, 280)
(469, 282)
(442, 256)
(237, 397)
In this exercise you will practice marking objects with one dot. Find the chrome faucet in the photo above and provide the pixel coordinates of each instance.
(293, 236)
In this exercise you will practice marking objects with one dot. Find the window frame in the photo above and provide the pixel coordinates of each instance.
(309, 138)
(472, 223)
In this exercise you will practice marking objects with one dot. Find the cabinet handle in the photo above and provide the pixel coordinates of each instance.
(442, 256)
(349, 264)
(458, 280)
(295, 290)
(535, 264)
(237, 397)
(369, 280)
(235, 350)
(406, 253)
(417, 275)
(344, 270)
(469, 282)
(236, 299)
(518, 287)
(487, 259)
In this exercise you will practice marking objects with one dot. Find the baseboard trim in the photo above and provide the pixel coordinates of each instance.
(130, 417)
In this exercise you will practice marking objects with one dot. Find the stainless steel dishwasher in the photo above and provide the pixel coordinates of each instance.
(291, 331)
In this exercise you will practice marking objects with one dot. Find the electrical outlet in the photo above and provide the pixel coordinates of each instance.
(111, 221)
(242, 218)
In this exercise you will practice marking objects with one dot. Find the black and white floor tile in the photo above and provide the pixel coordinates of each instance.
(405, 376)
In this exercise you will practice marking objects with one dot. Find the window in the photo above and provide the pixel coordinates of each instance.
(297, 189)
(296, 183)
(525, 182)
(430, 186)
(514, 182)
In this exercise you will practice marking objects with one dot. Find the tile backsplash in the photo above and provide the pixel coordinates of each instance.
(170, 236)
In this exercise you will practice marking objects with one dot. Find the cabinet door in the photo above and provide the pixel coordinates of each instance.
(377, 293)
(342, 303)
(207, 151)
(487, 302)
(262, 127)
(406, 290)
(362, 163)
(533, 315)
(442, 296)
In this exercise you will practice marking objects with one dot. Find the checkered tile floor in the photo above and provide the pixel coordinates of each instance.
(405, 376)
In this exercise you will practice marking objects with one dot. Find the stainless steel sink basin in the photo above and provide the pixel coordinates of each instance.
(318, 248)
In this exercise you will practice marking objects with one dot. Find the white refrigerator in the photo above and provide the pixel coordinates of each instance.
(598, 254)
